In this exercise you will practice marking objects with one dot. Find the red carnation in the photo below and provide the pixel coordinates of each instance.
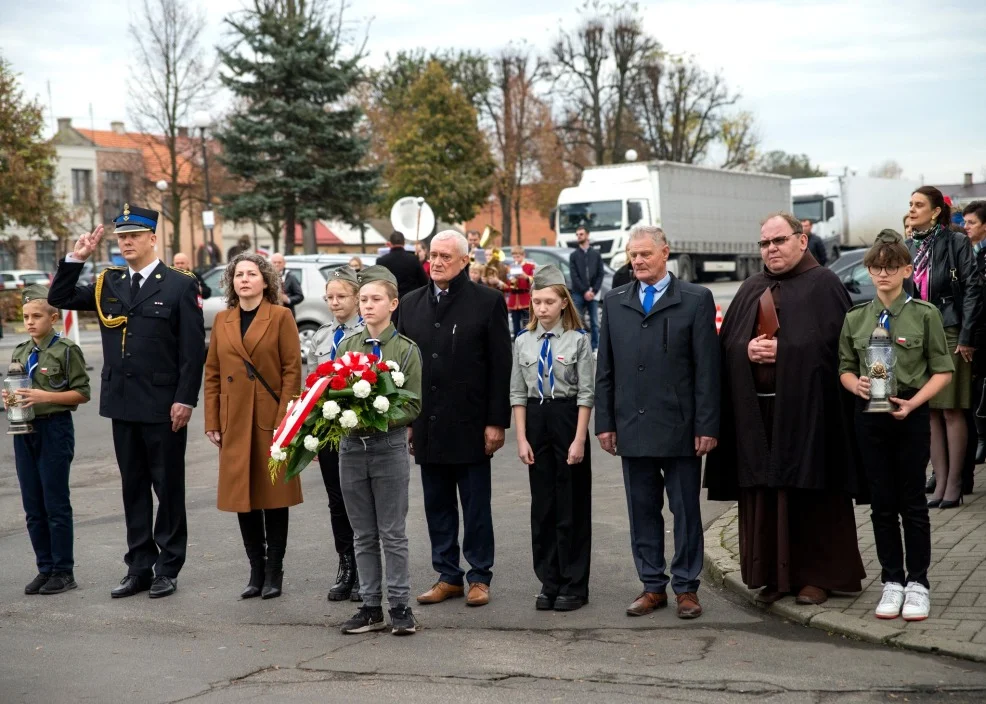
(370, 376)
(382, 367)
(337, 383)
(371, 358)
(310, 381)
(324, 369)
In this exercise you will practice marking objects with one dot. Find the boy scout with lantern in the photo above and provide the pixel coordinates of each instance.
(59, 383)
(153, 357)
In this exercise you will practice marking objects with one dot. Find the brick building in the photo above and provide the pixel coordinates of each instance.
(535, 229)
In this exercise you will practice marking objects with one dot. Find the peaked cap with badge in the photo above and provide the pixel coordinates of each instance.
(134, 219)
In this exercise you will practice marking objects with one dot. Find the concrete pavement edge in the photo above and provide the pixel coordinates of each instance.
(724, 571)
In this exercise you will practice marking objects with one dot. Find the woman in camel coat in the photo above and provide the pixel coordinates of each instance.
(254, 339)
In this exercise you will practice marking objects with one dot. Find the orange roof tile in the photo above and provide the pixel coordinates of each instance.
(154, 151)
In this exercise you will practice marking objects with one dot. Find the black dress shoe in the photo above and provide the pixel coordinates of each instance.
(163, 586)
(567, 602)
(929, 487)
(545, 602)
(130, 585)
(272, 584)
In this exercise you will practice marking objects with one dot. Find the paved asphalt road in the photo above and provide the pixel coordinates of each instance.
(205, 645)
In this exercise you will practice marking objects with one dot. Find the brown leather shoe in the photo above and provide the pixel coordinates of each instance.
(768, 595)
(479, 594)
(812, 595)
(440, 592)
(647, 602)
(688, 606)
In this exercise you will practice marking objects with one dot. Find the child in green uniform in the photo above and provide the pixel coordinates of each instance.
(59, 383)
(375, 467)
(896, 446)
(552, 392)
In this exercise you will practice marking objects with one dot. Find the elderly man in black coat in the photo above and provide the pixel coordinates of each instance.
(657, 406)
(461, 329)
(405, 267)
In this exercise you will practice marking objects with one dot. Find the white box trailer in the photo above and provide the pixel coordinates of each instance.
(849, 211)
(711, 216)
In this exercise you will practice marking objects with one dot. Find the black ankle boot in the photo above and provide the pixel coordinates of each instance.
(345, 579)
(257, 570)
(274, 574)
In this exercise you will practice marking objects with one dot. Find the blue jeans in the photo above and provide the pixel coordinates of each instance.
(43, 460)
(593, 307)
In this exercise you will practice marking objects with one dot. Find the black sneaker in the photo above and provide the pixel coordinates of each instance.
(58, 583)
(368, 618)
(34, 586)
(402, 621)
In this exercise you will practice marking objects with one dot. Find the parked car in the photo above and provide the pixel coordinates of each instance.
(560, 256)
(16, 279)
(854, 276)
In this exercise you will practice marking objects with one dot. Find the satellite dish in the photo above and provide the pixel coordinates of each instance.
(413, 218)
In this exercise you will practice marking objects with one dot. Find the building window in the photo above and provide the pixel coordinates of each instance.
(116, 192)
(7, 260)
(81, 186)
(45, 253)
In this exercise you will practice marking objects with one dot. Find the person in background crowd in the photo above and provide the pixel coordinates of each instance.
(494, 248)
(473, 237)
(252, 372)
(657, 406)
(464, 338)
(356, 264)
(908, 230)
(43, 458)
(520, 274)
(476, 273)
(153, 346)
(587, 278)
(815, 244)
(786, 452)
(242, 245)
(895, 446)
(181, 262)
(290, 292)
(974, 216)
(421, 251)
(405, 267)
(551, 391)
(624, 274)
(945, 274)
(342, 296)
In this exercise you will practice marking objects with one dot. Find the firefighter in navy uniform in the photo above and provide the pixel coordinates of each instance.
(153, 349)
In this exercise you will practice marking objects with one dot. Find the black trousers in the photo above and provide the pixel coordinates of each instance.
(895, 455)
(342, 529)
(474, 485)
(561, 499)
(152, 456)
(265, 534)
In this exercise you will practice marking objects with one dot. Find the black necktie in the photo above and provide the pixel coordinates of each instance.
(135, 286)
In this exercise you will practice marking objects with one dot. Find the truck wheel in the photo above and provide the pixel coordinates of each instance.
(686, 270)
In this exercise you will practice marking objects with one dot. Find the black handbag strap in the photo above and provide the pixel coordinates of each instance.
(957, 293)
(252, 372)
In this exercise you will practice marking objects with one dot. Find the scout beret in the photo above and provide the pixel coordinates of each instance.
(344, 273)
(548, 275)
(134, 219)
(375, 273)
(34, 292)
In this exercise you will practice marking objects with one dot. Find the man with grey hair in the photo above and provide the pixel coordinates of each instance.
(657, 406)
(461, 329)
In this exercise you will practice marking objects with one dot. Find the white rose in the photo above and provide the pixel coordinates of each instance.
(362, 389)
(277, 454)
(394, 366)
(348, 419)
(311, 443)
(398, 378)
(381, 404)
(330, 410)
(274, 449)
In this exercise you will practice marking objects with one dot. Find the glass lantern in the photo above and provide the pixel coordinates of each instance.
(880, 364)
(18, 416)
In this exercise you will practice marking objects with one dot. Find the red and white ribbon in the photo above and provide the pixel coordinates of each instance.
(293, 421)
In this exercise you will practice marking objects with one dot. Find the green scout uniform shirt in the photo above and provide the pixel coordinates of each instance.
(917, 335)
(572, 366)
(393, 348)
(61, 367)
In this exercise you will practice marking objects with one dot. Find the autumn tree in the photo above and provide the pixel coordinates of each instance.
(888, 169)
(793, 165)
(438, 151)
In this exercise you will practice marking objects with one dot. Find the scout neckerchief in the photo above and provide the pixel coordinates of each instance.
(545, 361)
(884, 317)
(376, 344)
(32, 359)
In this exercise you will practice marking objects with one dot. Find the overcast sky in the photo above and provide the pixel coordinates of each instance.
(849, 82)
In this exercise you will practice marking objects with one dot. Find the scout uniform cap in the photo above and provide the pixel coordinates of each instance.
(548, 275)
(134, 219)
(345, 273)
(375, 273)
(34, 292)
(889, 237)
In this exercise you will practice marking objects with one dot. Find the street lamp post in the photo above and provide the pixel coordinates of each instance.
(162, 186)
(203, 121)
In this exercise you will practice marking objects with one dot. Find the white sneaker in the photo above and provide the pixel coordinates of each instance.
(917, 602)
(891, 601)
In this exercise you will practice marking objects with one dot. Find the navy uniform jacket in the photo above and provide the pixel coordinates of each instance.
(155, 359)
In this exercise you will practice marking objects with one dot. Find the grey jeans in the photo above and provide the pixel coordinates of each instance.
(374, 472)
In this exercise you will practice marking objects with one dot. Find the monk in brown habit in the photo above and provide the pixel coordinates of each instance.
(786, 449)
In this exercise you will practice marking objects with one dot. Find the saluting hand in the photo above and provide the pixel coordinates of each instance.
(87, 243)
(179, 416)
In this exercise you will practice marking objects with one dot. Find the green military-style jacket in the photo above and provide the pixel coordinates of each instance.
(393, 348)
(917, 334)
(61, 367)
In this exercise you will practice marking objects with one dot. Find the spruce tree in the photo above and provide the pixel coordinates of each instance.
(293, 139)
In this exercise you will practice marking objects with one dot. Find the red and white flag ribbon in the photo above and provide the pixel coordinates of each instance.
(293, 421)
